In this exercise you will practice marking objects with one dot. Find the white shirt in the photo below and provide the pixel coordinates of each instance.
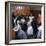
(40, 32)
(30, 30)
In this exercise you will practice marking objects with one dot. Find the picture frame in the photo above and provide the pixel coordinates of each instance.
(10, 34)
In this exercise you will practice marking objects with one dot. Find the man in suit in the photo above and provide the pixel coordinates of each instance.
(20, 29)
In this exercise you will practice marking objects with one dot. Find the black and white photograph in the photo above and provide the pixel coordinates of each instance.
(24, 22)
